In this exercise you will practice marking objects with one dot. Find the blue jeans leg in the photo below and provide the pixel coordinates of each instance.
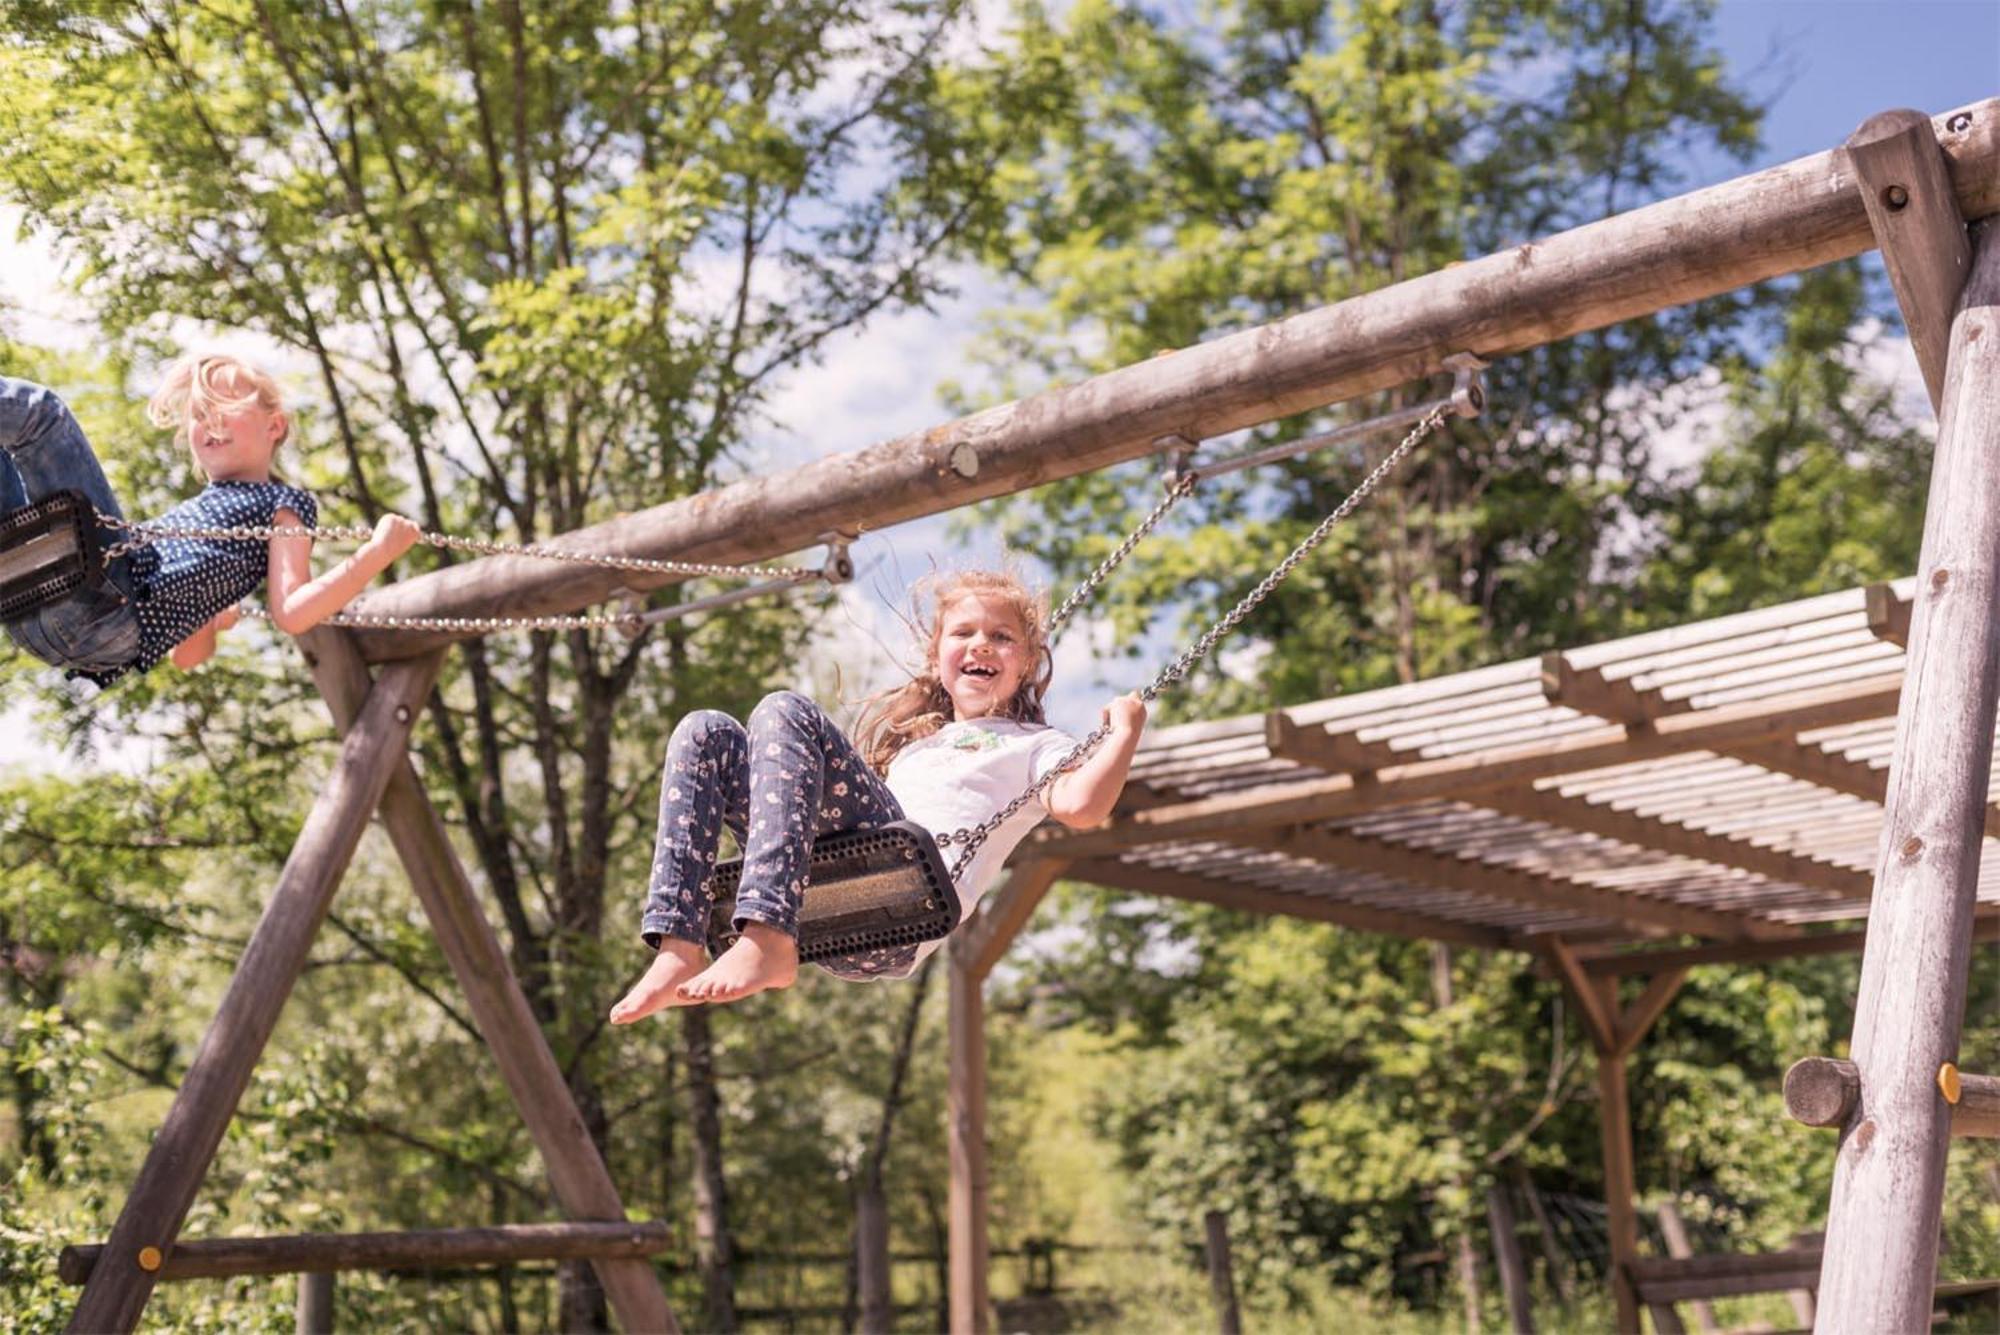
(704, 786)
(46, 452)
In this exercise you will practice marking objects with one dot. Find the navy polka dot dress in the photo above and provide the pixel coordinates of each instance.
(186, 582)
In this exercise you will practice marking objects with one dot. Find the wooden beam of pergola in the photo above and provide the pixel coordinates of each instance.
(1337, 751)
(1985, 927)
(1147, 880)
(1589, 691)
(1711, 241)
(1304, 801)
(1448, 871)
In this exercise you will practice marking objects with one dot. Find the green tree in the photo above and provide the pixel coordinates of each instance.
(535, 265)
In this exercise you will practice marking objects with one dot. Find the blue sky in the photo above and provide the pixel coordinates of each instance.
(1844, 60)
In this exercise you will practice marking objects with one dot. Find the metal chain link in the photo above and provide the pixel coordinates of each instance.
(469, 625)
(1178, 490)
(974, 836)
(146, 534)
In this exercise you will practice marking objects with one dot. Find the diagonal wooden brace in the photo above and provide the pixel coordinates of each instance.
(153, 1213)
(582, 1182)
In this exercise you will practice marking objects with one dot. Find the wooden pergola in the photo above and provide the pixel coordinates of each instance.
(1905, 183)
(1721, 780)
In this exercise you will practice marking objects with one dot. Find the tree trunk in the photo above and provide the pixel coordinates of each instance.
(714, 1248)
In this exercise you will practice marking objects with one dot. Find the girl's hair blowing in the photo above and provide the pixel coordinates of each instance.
(892, 719)
(206, 385)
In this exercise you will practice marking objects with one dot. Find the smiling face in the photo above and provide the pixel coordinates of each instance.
(982, 653)
(234, 443)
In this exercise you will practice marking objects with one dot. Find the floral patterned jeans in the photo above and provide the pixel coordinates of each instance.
(778, 784)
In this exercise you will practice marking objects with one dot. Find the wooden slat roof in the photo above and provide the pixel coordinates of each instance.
(1721, 779)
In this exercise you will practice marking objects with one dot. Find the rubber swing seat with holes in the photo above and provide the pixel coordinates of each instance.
(865, 890)
(48, 551)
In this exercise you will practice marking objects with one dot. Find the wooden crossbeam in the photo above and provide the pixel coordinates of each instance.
(1143, 879)
(1587, 691)
(1984, 928)
(1306, 800)
(1471, 876)
(1005, 911)
(412, 1249)
(1614, 1030)
(1315, 746)
(1698, 245)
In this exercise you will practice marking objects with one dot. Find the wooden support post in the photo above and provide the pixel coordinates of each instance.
(1675, 1232)
(314, 1313)
(1221, 1273)
(1507, 1256)
(966, 1136)
(871, 1261)
(1614, 1033)
(1880, 1262)
(1614, 1118)
(151, 1219)
(1905, 184)
(577, 1171)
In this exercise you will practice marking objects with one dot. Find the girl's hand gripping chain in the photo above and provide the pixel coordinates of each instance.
(1085, 796)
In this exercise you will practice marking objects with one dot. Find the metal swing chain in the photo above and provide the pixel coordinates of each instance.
(146, 534)
(975, 836)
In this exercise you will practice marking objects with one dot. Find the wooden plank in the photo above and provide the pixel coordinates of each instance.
(1308, 745)
(1888, 1180)
(965, 1095)
(1889, 614)
(1984, 928)
(576, 1170)
(1826, 1092)
(1779, 221)
(1661, 1279)
(1474, 876)
(1675, 1234)
(1006, 910)
(1304, 800)
(414, 1249)
(209, 1092)
(1905, 182)
(1148, 880)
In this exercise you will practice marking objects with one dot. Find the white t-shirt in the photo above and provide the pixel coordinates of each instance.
(961, 775)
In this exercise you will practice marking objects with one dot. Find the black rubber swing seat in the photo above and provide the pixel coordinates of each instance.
(865, 890)
(48, 551)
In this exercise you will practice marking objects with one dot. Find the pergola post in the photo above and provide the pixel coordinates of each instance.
(1879, 1267)
(1614, 1033)
(975, 948)
(966, 1105)
(153, 1213)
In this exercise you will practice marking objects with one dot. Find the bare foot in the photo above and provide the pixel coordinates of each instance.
(763, 958)
(677, 961)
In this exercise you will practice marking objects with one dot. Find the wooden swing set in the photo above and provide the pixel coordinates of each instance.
(1911, 185)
